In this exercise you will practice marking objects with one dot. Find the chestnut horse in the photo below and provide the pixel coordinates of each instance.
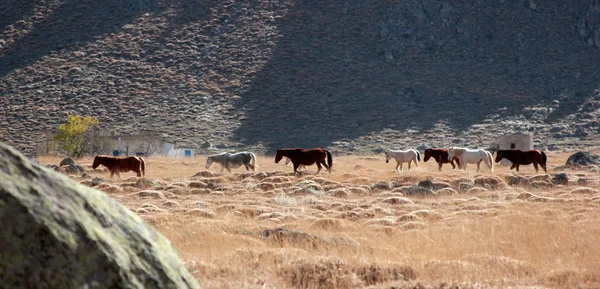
(304, 157)
(440, 156)
(519, 157)
(117, 165)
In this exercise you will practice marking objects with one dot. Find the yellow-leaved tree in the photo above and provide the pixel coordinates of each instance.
(71, 135)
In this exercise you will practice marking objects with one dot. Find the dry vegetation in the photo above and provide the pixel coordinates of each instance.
(366, 226)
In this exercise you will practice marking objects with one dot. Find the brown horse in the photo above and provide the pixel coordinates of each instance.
(519, 157)
(116, 165)
(306, 157)
(440, 156)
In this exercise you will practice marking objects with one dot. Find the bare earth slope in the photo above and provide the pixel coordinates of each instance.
(352, 76)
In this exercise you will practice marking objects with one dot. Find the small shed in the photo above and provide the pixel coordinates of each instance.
(521, 141)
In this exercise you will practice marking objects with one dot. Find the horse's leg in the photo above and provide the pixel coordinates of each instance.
(318, 167)
(409, 161)
(296, 165)
(440, 166)
(401, 169)
(535, 166)
(479, 164)
(517, 166)
(543, 167)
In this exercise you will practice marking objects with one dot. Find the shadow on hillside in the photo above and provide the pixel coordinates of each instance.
(336, 73)
(12, 11)
(72, 24)
(77, 23)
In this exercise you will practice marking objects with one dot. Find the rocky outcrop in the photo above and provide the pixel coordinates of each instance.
(582, 159)
(60, 234)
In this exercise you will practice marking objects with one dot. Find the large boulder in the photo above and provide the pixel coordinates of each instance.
(583, 159)
(57, 233)
(67, 162)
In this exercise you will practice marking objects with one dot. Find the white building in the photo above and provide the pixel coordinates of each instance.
(147, 143)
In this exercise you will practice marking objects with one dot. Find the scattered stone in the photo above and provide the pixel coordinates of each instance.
(146, 183)
(426, 184)
(151, 194)
(418, 191)
(96, 181)
(382, 186)
(517, 181)
(72, 169)
(561, 179)
(464, 187)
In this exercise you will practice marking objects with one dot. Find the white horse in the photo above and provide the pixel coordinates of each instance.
(231, 161)
(471, 156)
(409, 156)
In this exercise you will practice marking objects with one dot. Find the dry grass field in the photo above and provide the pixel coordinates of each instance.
(366, 226)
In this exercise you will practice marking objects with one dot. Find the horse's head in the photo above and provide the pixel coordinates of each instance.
(427, 155)
(96, 162)
(278, 156)
(388, 156)
(499, 156)
(209, 162)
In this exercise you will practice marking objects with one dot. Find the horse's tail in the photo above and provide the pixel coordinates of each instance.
(329, 159)
(418, 156)
(142, 166)
(253, 160)
(544, 159)
(491, 160)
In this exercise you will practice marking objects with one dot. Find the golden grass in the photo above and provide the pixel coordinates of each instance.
(358, 228)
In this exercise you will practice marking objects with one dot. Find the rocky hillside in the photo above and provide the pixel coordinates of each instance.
(355, 76)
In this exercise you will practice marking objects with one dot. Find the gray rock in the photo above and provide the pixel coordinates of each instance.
(580, 159)
(96, 181)
(57, 233)
(561, 179)
(73, 169)
(418, 191)
(517, 181)
(66, 162)
(382, 186)
(463, 187)
(426, 184)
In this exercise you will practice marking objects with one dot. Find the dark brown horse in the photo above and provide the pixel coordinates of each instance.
(519, 157)
(306, 157)
(117, 165)
(440, 156)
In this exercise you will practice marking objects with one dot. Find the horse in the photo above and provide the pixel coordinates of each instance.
(440, 156)
(527, 157)
(235, 160)
(466, 156)
(116, 165)
(409, 156)
(305, 157)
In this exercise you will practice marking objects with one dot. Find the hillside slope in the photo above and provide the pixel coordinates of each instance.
(353, 76)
